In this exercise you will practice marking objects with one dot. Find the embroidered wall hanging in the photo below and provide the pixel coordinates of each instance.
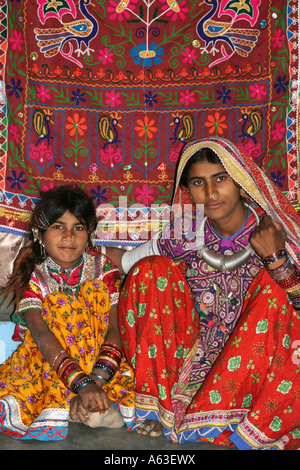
(103, 94)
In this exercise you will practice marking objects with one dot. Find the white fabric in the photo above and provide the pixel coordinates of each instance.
(131, 257)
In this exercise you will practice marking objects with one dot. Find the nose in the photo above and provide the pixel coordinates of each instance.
(211, 191)
(68, 234)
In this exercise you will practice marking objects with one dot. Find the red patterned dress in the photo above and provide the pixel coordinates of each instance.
(216, 354)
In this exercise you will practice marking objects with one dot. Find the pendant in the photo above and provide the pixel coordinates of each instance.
(227, 262)
(223, 297)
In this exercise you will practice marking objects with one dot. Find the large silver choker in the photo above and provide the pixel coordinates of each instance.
(227, 262)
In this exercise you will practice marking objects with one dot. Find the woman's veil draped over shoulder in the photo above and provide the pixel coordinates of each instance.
(258, 187)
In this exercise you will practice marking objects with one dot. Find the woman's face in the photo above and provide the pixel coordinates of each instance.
(210, 184)
(65, 240)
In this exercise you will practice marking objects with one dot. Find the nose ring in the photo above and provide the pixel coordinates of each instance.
(215, 196)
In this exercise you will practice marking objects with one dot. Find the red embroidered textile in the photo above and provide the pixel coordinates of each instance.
(250, 397)
(104, 96)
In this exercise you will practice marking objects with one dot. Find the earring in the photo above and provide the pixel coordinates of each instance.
(35, 233)
(43, 251)
(93, 238)
(242, 192)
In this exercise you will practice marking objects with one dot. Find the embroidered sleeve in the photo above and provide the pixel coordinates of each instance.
(112, 279)
(31, 299)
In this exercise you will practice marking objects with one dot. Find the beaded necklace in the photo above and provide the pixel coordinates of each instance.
(55, 281)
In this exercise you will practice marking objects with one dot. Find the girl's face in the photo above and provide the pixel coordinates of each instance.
(65, 240)
(210, 184)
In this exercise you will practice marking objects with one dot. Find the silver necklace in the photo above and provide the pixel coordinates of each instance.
(227, 262)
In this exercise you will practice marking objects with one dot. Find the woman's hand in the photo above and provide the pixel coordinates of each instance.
(268, 238)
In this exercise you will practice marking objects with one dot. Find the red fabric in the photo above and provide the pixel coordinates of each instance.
(158, 323)
(252, 393)
(104, 95)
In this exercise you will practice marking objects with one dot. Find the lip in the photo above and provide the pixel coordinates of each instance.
(67, 248)
(213, 206)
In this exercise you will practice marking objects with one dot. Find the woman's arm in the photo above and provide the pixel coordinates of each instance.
(100, 376)
(112, 337)
(126, 259)
(268, 240)
(115, 255)
(113, 332)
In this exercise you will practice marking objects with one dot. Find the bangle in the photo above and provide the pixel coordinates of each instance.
(282, 273)
(82, 382)
(106, 368)
(69, 370)
(81, 386)
(113, 348)
(63, 364)
(56, 357)
(100, 377)
(274, 257)
(72, 379)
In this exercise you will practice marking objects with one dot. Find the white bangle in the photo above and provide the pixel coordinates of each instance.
(131, 257)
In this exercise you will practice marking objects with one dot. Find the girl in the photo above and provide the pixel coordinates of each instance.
(69, 365)
(219, 360)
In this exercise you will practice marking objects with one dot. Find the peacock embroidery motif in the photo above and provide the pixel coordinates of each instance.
(213, 31)
(61, 40)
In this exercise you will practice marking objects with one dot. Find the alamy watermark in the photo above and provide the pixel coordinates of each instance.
(296, 352)
(139, 223)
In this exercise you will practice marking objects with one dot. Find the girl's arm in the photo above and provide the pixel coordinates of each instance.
(92, 396)
(46, 341)
(100, 376)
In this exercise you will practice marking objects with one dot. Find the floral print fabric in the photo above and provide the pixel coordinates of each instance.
(33, 401)
(250, 397)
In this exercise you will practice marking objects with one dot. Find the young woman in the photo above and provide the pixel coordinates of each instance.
(69, 365)
(211, 327)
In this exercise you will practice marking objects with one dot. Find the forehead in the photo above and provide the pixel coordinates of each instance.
(69, 218)
(205, 169)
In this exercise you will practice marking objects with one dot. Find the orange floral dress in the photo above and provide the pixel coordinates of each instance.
(34, 403)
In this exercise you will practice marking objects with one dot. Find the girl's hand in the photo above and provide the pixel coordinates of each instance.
(268, 238)
(94, 399)
(77, 410)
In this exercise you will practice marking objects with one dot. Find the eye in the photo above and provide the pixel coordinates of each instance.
(222, 178)
(57, 226)
(197, 182)
(79, 228)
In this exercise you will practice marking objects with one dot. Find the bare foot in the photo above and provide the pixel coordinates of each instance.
(150, 426)
(110, 419)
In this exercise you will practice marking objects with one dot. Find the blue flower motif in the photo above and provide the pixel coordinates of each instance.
(15, 88)
(277, 178)
(98, 195)
(281, 84)
(77, 96)
(154, 56)
(223, 95)
(150, 98)
(16, 180)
